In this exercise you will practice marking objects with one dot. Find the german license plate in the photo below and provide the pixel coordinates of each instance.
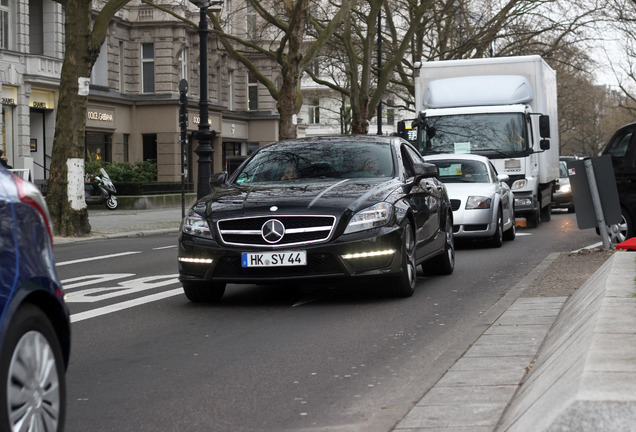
(273, 259)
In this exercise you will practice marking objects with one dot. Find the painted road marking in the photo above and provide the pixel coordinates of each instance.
(96, 258)
(94, 313)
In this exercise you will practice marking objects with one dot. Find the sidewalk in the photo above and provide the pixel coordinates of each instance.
(128, 223)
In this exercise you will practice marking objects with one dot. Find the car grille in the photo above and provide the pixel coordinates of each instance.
(455, 204)
(298, 230)
(318, 264)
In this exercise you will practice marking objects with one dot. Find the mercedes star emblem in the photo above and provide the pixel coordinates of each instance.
(273, 231)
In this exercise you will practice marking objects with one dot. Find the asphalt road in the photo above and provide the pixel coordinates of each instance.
(267, 359)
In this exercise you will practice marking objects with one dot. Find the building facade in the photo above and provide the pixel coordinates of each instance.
(133, 103)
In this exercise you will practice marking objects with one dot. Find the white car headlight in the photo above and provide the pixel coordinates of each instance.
(478, 202)
(196, 225)
(371, 217)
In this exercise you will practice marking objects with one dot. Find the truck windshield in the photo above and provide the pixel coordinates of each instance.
(493, 135)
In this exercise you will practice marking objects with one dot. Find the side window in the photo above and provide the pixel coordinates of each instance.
(410, 156)
(620, 145)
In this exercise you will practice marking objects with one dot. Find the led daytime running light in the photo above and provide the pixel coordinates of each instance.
(196, 260)
(369, 254)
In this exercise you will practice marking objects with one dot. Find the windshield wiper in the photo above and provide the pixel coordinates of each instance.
(508, 155)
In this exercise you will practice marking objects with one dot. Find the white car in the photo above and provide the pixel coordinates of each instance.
(483, 205)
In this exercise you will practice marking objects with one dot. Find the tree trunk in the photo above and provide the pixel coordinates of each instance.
(70, 121)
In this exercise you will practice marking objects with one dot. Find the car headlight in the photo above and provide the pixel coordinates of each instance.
(196, 225)
(564, 188)
(478, 202)
(371, 217)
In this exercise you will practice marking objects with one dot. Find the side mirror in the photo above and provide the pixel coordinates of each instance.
(544, 126)
(503, 178)
(218, 179)
(425, 169)
(544, 144)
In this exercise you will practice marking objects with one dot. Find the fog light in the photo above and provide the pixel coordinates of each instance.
(368, 254)
(196, 260)
(523, 202)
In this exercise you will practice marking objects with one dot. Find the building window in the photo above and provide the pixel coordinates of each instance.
(148, 67)
(99, 74)
(250, 24)
(98, 146)
(126, 147)
(252, 92)
(390, 112)
(183, 64)
(122, 70)
(313, 111)
(36, 27)
(5, 24)
(230, 89)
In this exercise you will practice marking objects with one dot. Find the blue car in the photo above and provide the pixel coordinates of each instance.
(34, 320)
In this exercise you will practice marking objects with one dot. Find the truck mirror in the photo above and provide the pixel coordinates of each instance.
(544, 144)
(544, 126)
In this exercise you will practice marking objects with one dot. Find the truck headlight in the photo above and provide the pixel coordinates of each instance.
(196, 225)
(478, 202)
(519, 184)
(371, 217)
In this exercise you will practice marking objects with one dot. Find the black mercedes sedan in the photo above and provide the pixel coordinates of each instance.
(319, 209)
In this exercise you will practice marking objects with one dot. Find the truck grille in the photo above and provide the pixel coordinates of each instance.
(276, 230)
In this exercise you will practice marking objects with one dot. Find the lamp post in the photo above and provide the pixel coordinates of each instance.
(204, 135)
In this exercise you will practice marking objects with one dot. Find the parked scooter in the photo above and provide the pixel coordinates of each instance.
(101, 191)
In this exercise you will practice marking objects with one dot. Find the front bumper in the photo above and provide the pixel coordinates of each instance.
(525, 203)
(325, 261)
(474, 223)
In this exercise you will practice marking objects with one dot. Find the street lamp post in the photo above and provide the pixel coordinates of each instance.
(204, 135)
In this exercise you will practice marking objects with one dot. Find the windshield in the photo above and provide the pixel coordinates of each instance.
(492, 135)
(462, 171)
(296, 162)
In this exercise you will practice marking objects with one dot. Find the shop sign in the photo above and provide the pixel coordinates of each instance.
(197, 119)
(9, 96)
(100, 117)
(42, 99)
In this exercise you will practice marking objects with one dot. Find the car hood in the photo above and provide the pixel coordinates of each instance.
(332, 197)
(461, 190)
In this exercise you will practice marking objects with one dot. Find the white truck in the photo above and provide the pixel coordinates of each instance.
(504, 108)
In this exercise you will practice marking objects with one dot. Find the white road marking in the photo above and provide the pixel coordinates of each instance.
(133, 286)
(523, 234)
(124, 305)
(96, 258)
(165, 247)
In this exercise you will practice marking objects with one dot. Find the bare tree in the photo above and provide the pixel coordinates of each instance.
(84, 36)
(280, 39)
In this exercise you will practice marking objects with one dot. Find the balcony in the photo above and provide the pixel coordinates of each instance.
(43, 69)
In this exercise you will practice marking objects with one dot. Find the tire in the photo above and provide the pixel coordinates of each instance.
(618, 233)
(404, 284)
(443, 264)
(533, 219)
(32, 367)
(511, 233)
(497, 239)
(204, 293)
(111, 202)
(546, 214)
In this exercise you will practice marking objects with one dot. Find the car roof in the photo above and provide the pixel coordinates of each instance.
(337, 138)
